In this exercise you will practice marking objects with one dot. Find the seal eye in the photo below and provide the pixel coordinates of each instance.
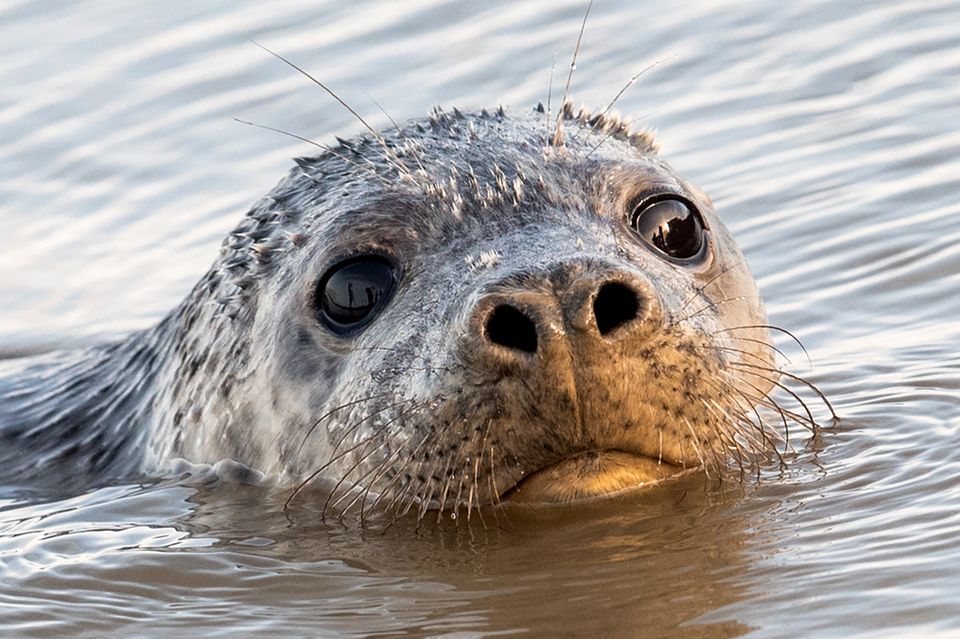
(671, 225)
(352, 292)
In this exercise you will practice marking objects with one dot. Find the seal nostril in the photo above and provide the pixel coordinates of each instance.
(509, 327)
(615, 305)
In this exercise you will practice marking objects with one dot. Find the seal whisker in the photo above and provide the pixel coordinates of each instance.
(445, 474)
(398, 474)
(733, 350)
(336, 457)
(712, 305)
(471, 494)
(802, 420)
(550, 92)
(659, 445)
(770, 327)
(492, 481)
(392, 487)
(423, 501)
(610, 135)
(364, 455)
(379, 472)
(744, 456)
(470, 452)
(696, 447)
(796, 378)
(377, 432)
(763, 344)
(762, 399)
(376, 471)
(416, 155)
(606, 110)
(423, 495)
(389, 156)
(700, 289)
(726, 438)
(370, 167)
(761, 396)
(730, 426)
(633, 79)
(766, 433)
(336, 409)
(400, 486)
(476, 452)
(797, 417)
(462, 474)
(475, 486)
(494, 498)
(683, 454)
(557, 139)
(456, 503)
(740, 416)
(770, 403)
(403, 500)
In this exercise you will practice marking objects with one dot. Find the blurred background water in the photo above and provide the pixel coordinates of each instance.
(826, 132)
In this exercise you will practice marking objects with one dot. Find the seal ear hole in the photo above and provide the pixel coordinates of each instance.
(615, 305)
(509, 327)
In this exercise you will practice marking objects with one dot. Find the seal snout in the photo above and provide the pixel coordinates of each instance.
(524, 320)
(615, 304)
(559, 357)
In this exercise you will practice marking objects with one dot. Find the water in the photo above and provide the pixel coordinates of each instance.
(826, 133)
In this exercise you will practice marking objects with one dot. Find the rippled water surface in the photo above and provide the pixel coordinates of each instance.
(827, 134)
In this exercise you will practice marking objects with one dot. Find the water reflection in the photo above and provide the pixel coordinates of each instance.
(637, 566)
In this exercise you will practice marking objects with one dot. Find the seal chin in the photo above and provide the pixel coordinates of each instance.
(591, 475)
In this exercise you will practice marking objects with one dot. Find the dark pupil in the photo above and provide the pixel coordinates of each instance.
(672, 227)
(352, 291)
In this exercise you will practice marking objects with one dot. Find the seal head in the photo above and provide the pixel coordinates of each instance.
(458, 311)
(465, 309)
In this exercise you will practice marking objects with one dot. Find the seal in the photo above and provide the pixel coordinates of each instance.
(468, 308)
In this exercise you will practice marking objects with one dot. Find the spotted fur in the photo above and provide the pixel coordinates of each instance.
(414, 413)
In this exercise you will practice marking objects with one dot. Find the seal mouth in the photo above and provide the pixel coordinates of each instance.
(591, 475)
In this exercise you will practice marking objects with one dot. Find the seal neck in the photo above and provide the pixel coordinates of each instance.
(73, 419)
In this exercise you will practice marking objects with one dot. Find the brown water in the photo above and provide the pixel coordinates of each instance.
(826, 132)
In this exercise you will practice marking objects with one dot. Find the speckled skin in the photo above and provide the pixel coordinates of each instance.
(476, 209)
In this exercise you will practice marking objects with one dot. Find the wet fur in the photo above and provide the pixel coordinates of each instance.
(408, 414)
